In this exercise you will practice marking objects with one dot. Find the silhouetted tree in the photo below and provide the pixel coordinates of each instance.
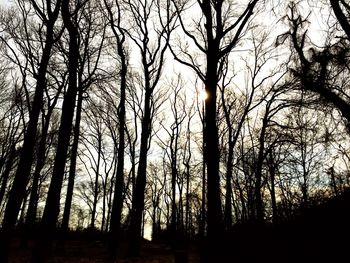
(120, 38)
(92, 39)
(316, 70)
(152, 60)
(215, 39)
(43, 244)
(48, 15)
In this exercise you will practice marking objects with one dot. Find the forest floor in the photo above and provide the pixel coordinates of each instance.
(318, 234)
(89, 251)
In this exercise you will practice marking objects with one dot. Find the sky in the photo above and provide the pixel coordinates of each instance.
(4, 2)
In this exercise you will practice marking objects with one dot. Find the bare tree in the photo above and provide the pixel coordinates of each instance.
(320, 70)
(43, 244)
(92, 37)
(48, 15)
(215, 34)
(173, 152)
(152, 60)
(120, 37)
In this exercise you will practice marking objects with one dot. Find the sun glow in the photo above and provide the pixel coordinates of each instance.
(204, 95)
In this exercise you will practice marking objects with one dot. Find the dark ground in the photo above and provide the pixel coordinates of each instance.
(88, 251)
(318, 234)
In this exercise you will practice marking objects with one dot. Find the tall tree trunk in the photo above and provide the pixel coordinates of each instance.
(228, 199)
(117, 207)
(43, 244)
(188, 206)
(212, 148)
(73, 163)
(34, 195)
(272, 170)
(173, 227)
(202, 225)
(258, 202)
(22, 175)
(138, 195)
(96, 192)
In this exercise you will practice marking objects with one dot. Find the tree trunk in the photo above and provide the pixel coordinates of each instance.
(202, 225)
(73, 163)
(5, 175)
(22, 175)
(188, 208)
(40, 162)
(43, 244)
(173, 226)
(117, 206)
(229, 168)
(212, 149)
(272, 170)
(94, 205)
(138, 195)
(258, 202)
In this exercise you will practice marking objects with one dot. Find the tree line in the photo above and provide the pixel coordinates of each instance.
(104, 125)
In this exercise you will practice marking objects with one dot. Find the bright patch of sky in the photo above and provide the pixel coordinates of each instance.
(4, 3)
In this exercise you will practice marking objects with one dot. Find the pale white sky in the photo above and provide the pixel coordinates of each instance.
(4, 2)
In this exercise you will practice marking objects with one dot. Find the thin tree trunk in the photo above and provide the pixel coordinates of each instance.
(204, 193)
(259, 207)
(94, 205)
(228, 201)
(187, 218)
(6, 173)
(273, 192)
(117, 207)
(173, 226)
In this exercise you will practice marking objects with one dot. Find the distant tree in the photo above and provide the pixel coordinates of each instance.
(307, 151)
(152, 52)
(236, 105)
(94, 144)
(172, 151)
(154, 190)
